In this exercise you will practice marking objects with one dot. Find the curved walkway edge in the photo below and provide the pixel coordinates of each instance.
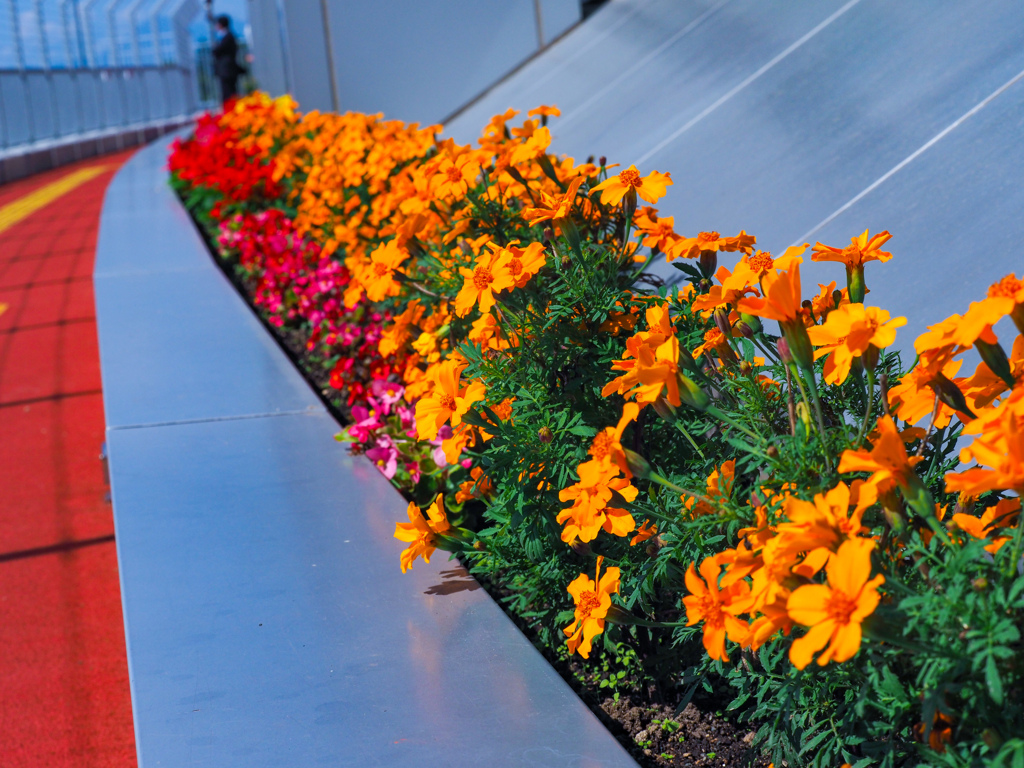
(267, 621)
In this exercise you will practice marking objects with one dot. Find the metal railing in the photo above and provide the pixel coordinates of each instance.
(77, 67)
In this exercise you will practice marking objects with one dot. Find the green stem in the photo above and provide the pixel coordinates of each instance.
(732, 423)
(813, 385)
(870, 397)
(689, 437)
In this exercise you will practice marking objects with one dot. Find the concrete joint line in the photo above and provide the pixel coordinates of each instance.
(310, 411)
(911, 157)
(765, 68)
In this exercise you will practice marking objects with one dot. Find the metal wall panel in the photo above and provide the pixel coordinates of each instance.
(67, 100)
(557, 17)
(307, 54)
(40, 99)
(15, 107)
(112, 93)
(89, 93)
(268, 61)
(420, 61)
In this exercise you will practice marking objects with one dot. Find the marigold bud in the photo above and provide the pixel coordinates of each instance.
(602, 161)
(708, 262)
(692, 395)
(637, 464)
(581, 548)
(549, 234)
(545, 435)
(722, 321)
(654, 546)
(746, 368)
(950, 394)
(980, 583)
(995, 358)
(665, 409)
(784, 354)
(752, 322)
(772, 452)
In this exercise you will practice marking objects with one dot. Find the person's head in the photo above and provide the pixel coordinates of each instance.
(223, 23)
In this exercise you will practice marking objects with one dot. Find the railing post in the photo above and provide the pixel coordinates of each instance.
(72, 65)
(47, 70)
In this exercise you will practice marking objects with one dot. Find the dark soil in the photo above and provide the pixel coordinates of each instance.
(649, 729)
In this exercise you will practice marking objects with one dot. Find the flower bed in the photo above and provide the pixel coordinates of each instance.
(654, 481)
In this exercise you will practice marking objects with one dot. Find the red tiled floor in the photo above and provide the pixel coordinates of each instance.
(64, 697)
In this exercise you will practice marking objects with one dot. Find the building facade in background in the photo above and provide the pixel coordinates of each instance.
(413, 60)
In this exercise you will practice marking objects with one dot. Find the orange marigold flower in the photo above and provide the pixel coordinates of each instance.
(985, 386)
(545, 110)
(998, 448)
(378, 277)
(848, 333)
(751, 269)
(717, 608)
(827, 522)
(481, 283)
(692, 247)
(651, 187)
(421, 532)
(718, 490)
(448, 401)
(521, 264)
(914, 397)
(554, 208)
(478, 487)
(835, 612)
(1004, 298)
(599, 484)
(1003, 515)
(606, 445)
(859, 252)
(646, 531)
(593, 598)
(656, 232)
(887, 460)
(782, 297)
(397, 333)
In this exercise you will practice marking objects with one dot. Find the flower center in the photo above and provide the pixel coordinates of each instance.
(516, 266)
(380, 269)
(840, 607)
(588, 602)
(853, 255)
(761, 263)
(601, 446)
(711, 611)
(1005, 288)
(630, 178)
(454, 175)
(482, 278)
(447, 402)
(708, 237)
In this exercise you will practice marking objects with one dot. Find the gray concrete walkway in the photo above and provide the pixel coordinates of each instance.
(267, 620)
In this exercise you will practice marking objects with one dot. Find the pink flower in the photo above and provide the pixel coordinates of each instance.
(385, 456)
(388, 392)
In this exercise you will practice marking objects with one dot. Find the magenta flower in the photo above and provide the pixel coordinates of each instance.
(384, 455)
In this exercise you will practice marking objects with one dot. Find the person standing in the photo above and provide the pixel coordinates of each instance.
(225, 59)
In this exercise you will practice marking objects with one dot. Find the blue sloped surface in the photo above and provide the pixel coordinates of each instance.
(267, 621)
(772, 116)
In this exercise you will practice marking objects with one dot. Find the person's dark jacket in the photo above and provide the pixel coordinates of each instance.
(225, 58)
